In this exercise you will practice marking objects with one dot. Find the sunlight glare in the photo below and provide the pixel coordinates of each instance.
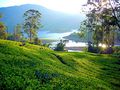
(66, 6)
(102, 45)
(75, 44)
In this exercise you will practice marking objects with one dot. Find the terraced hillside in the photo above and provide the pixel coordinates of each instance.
(32, 67)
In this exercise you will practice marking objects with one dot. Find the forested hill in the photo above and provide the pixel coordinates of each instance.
(52, 21)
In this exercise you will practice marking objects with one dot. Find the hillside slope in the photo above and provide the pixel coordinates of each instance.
(32, 67)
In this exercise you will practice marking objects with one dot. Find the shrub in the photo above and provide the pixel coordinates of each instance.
(60, 46)
(37, 41)
(116, 51)
(47, 45)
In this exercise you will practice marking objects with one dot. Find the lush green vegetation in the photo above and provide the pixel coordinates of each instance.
(116, 51)
(103, 23)
(32, 67)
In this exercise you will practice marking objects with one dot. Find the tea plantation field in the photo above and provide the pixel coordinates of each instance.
(32, 67)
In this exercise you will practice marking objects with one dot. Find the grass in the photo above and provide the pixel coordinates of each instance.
(32, 67)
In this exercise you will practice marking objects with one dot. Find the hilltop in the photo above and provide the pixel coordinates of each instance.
(32, 67)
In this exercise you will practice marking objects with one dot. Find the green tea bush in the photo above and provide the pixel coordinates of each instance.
(116, 51)
(33, 67)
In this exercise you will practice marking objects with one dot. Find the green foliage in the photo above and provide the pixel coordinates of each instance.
(116, 51)
(18, 32)
(98, 35)
(10, 37)
(102, 21)
(47, 45)
(3, 34)
(0, 15)
(32, 22)
(33, 67)
(37, 41)
(83, 29)
(60, 46)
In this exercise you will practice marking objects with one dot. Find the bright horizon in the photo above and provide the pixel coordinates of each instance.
(65, 6)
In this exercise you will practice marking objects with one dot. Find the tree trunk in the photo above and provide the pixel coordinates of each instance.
(30, 36)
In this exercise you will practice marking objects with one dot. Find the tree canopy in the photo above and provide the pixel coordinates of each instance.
(32, 22)
(103, 20)
(3, 34)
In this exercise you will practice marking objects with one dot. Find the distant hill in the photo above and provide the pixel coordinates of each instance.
(75, 37)
(53, 21)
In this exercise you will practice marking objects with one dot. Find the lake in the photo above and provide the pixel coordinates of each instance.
(71, 46)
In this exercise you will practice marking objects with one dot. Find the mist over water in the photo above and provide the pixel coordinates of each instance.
(71, 44)
(75, 44)
(59, 36)
(56, 36)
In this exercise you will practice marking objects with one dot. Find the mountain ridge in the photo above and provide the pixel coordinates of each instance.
(53, 21)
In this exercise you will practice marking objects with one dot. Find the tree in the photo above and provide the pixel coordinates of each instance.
(112, 5)
(10, 36)
(60, 46)
(47, 45)
(115, 6)
(85, 31)
(102, 21)
(98, 35)
(3, 33)
(18, 32)
(37, 41)
(32, 23)
(0, 15)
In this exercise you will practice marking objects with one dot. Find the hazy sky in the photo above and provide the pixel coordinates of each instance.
(66, 6)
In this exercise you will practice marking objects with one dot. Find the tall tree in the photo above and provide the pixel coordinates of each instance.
(3, 33)
(84, 32)
(0, 15)
(112, 5)
(115, 6)
(17, 32)
(32, 23)
(102, 21)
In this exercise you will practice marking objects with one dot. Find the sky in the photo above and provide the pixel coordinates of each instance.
(66, 6)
